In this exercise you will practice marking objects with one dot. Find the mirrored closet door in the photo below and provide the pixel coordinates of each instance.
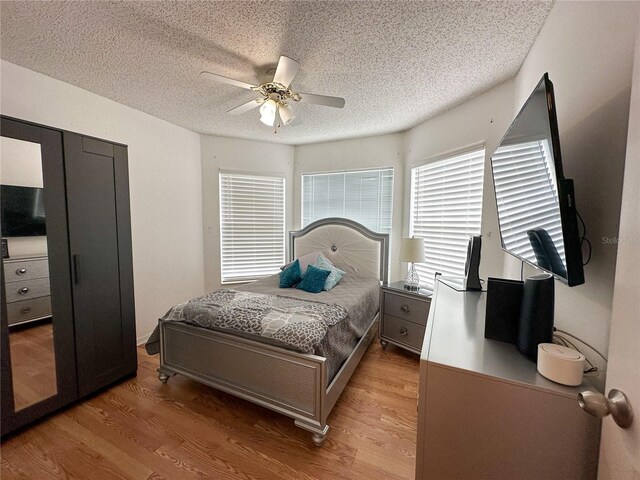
(38, 352)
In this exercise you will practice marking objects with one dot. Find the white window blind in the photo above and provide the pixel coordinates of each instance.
(365, 196)
(252, 231)
(527, 196)
(446, 209)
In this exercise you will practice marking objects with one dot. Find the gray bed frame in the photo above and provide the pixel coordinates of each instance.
(285, 381)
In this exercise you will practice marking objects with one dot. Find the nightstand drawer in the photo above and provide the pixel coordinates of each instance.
(403, 331)
(17, 291)
(410, 309)
(21, 270)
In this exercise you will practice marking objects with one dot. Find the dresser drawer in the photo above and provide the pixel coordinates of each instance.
(403, 331)
(408, 308)
(18, 312)
(20, 270)
(25, 290)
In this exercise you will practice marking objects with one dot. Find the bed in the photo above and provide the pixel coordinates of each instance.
(303, 386)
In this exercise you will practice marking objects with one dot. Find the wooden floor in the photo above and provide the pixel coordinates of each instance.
(142, 429)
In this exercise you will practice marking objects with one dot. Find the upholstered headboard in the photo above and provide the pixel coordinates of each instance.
(345, 243)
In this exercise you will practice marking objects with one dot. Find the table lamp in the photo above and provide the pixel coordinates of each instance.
(412, 252)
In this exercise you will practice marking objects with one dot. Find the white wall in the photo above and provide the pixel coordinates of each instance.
(359, 153)
(164, 175)
(482, 120)
(232, 154)
(587, 48)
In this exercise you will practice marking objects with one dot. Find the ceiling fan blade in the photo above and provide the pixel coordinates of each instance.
(325, 100)
(230, 81)
(286, 71)
(245, 107)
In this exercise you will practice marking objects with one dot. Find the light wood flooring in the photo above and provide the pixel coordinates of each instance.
(141, 429)
(33, 366)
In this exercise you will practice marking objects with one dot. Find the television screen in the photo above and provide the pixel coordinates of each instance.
(536, 208)
(22, 211)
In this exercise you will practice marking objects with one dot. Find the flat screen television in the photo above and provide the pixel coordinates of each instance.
(536, 205)
(22, 211)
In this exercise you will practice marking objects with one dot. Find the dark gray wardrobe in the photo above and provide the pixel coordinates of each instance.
(68, 322)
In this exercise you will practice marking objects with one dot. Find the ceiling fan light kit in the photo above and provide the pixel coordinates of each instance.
(286, 114)
(275, 93)
(268, 112)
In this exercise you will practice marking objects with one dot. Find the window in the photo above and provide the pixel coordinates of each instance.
(365, 196)
(524, 171)
(252, 227)
(446, 209)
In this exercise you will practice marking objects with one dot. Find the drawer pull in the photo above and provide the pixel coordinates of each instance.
(21, 271)
(25, 310)
(404, 332)
(23, 290)
(405, 308)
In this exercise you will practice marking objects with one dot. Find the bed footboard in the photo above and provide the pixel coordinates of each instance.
(291, 383)
(288, 382)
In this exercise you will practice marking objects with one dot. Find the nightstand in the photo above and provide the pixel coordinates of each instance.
(403, 317)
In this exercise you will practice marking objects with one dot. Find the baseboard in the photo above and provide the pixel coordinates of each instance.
(142, 339)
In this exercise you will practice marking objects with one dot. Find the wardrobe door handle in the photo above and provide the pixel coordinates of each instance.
(21, 271)
(23, 290)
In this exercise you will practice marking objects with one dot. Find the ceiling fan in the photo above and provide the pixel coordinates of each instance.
(276, 93)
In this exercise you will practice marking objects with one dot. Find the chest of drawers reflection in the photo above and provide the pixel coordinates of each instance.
(26, 282)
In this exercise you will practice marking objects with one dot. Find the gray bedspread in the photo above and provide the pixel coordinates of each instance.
(331, 328)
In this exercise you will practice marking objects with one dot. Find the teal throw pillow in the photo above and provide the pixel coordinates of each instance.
(313, 280)
(290, 275)
(334, 277)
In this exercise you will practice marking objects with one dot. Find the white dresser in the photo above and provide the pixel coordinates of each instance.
(26, 283)
(484, 412)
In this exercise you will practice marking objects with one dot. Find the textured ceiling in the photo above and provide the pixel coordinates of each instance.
(397, 63)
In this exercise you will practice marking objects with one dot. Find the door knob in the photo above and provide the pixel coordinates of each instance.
(616, 403)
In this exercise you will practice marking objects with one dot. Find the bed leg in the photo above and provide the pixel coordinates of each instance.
(318, 434)
(164, 376)
(318, 438)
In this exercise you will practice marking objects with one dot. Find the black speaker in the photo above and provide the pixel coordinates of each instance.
(472, 265)
(504, 300)
(536, 314)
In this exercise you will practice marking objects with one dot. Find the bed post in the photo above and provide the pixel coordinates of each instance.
(318, 433)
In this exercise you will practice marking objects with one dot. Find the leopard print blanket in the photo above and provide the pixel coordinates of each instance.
(297, 324)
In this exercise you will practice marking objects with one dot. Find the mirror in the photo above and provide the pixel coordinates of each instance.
(26, 272)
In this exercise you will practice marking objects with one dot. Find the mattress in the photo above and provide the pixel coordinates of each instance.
(357, 294)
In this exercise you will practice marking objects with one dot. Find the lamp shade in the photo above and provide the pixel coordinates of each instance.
(412, 250)
(268, 112)
(285, 113)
